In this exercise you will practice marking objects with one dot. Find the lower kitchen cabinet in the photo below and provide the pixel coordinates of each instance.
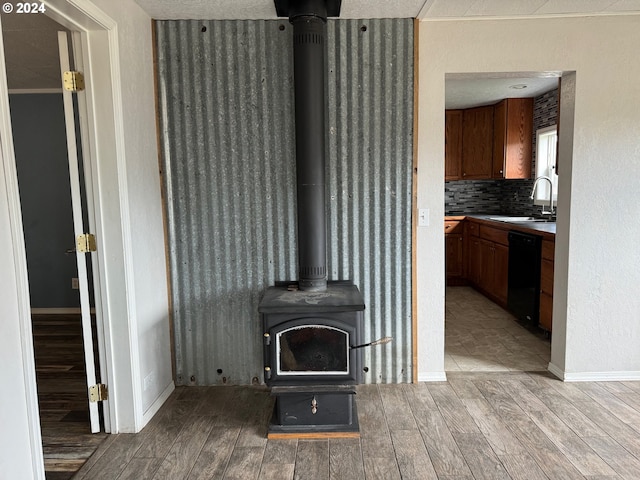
(546, 311)
(486, 265)
(487, 260)
(546, 284)
(454, 252)
(478, 254)
(494, 261)
(474, 262)
(500, 272)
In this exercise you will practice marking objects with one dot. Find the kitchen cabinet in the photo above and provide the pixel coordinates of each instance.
(546, 284)
(474, 260)
(500, 285)
(453, 144)
(454, 251)
(488, 260)
(477, 143)
(472, 228)
(512, 138)
(493, 141)
(494, 252)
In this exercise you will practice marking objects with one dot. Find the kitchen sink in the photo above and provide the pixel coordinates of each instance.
(513, 219)
(521, 219)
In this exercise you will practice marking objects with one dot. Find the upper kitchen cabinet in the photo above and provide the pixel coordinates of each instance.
(477, 143)
(453, 145)
(512, 138)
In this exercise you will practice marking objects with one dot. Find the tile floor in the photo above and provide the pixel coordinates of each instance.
(480, 336)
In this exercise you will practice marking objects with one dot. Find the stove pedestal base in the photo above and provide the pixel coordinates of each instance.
(314, 412)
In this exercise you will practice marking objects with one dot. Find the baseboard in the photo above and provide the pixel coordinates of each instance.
(155, 406)
(623, 376)
(58, 311)
(432, 377)
(556, 371)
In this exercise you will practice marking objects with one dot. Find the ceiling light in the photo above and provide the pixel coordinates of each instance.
(518, 86)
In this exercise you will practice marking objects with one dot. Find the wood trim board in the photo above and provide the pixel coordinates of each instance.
(312, 435)
(414, 213)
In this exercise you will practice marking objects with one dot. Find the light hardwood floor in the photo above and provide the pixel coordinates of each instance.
(504, 424)
(503, 418)
(487, 425)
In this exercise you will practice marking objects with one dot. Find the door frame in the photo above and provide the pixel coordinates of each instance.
(98, 39)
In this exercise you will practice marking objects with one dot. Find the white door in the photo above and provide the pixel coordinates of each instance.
(79, 229)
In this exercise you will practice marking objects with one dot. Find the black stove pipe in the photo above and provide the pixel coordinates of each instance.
(308, 18)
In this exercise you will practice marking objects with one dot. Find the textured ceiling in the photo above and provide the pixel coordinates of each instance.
(468, 9)
(31, 51)
(465, 91)
(265, 9)
(32, 54)
(423, 9)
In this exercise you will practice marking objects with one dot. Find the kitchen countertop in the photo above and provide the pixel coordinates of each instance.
(546, 229)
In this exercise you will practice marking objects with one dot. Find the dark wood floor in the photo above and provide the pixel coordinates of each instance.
(62, 395)
(502, 425)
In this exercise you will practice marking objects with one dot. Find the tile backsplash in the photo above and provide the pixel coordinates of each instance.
(473, 196)
(510, 197)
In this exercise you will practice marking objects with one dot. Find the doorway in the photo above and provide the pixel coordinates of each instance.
(42, 163)
(131, 313)
(480, 334)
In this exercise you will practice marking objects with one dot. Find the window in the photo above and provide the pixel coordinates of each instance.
(546, 141)
(313, 349)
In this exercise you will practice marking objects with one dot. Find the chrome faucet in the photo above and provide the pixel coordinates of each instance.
(533, 192)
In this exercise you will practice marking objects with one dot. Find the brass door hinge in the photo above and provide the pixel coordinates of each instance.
(86, 243)
(98, 393)
(73, 81)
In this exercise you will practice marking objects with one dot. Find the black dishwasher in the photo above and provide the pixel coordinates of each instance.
(523, 297)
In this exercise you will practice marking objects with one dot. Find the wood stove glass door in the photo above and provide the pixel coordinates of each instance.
(312, 350)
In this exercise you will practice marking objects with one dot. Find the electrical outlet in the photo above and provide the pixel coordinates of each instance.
(75, 284)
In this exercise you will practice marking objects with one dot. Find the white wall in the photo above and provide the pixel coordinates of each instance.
(126, 185)
(20, 440)
(20, 454)
(129, 228)
(138, 182)
(597, 259)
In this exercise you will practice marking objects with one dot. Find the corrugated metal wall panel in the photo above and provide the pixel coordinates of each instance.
(370, 162)
(227, 112)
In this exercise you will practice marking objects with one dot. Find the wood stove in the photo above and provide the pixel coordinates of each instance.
(310, 363)
(311, 327)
